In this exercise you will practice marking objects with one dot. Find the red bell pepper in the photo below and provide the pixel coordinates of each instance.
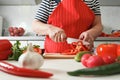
(11, 69)
(5, 49)
(4, 54)
(75, 47)
(5, 44)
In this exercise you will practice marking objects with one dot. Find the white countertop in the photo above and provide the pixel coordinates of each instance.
(42, 38)
(108, 39)
(24, 38)
(59, 67)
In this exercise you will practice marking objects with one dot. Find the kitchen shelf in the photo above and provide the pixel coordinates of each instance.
(42, 38)
(108, 39)
(24, 38)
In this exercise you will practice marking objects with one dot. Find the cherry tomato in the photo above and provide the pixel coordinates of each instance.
(107, 50)
(38, 50)
(12, 34)
(21, 29)
(10, 29)
(16, 31)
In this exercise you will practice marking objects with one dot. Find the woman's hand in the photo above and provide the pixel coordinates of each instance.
(87, 37)
(57, 34)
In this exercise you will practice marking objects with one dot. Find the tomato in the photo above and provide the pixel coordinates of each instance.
(38, 50)
(10, 29)
(108, 59)
(90, 61)
(118, 50)
(15, 31)
(107, 51)
(94, 61)
(84, 59)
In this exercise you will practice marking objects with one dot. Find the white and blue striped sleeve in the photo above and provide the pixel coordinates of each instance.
(96, 7)
(42, 13)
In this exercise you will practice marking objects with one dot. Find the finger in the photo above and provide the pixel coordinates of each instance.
(81, 37)
(63, 37)
(54, 37)
(86, 38)
(58, 37)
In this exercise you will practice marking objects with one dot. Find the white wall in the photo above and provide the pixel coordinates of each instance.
(110, 18)
(23, 16)
(18, 16)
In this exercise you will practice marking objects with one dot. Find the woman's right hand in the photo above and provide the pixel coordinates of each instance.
(57, 34)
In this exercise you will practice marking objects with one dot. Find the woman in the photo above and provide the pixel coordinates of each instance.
(60, 19)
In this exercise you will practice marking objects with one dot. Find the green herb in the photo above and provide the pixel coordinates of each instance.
(16, 51)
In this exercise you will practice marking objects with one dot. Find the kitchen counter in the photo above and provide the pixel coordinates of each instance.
(42, 38)
(58, 67)
(108, 39)
(39, 40)
(24, 38)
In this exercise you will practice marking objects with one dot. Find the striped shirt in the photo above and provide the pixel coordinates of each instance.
(47, 7)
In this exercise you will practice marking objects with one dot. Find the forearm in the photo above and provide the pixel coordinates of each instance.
(97, 27)
(96, 31)
(40, 27)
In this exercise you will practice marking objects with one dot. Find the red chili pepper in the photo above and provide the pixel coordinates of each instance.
(5, 44)
(11, 69)
(4, 54)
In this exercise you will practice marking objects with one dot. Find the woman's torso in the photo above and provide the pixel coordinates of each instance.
(47, 7)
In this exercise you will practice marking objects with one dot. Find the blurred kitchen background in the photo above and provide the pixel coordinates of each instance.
(20, 13)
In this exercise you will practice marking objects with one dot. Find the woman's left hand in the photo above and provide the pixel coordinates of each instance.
(87, 37)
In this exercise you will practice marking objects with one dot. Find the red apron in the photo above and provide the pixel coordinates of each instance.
(74, 17)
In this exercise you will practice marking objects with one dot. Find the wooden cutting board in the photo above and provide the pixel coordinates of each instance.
(57, 56)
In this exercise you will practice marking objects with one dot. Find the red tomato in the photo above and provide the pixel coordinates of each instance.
(90, 61)
(10, 29)
(84, 59)
(108, 59)
(38, 50)
(94, 61)
(21, 29)
(107, 50)
(20, 34)
(15, 31)
(12, 34)
(118, 50)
